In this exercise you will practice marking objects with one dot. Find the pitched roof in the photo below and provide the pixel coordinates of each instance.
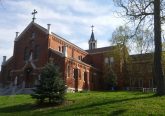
(56, 52)
(7, 61)
(140, 57)
(79, 61)
(31, 23)
(100, 50)
(46, 31)
(68, 42)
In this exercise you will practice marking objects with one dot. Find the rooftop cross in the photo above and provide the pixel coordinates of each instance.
(92, 27)
(33, 13)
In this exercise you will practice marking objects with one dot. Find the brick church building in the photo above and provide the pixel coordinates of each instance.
(81, 69)
(36, 46)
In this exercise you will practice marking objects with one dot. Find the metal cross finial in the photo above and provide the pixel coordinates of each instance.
(33, 13)
(92, 27)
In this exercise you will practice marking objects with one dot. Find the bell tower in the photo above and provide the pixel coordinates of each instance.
(92, 42)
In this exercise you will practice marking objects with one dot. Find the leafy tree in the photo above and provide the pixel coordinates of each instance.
(122, 38)
(143, 41)
(150, 14)
(51, 87)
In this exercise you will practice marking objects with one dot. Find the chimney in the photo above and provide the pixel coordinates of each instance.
(65, 51)
(16, 35)
(49, 29)
(4, 60)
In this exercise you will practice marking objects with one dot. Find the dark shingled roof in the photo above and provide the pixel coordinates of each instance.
(142, 56)
(45, 30)
(92, 37)
(99, 50)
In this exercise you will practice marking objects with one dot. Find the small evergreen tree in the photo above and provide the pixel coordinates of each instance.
(51, 87)
(110, 78)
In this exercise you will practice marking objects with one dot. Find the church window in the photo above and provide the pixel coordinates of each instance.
(73, 73)
(72, 53)
(140, 83)
(33, 35)
(111, 60)
(82, 76)
(79, 57)
(36, 52)
(30, 55)
(132, 82)
(59, 48)
(92, 77)
(68, 70)
(79, 73)
(26, 53)
(93, 45)
(151, 83)
(8, 75)
(106, 60)
(62, 49)
(149, 68)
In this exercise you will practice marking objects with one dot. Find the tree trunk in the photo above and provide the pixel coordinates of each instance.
(158, 50)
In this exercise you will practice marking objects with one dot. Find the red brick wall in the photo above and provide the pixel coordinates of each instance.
(72, 51)
(6, 76)
(26, 41)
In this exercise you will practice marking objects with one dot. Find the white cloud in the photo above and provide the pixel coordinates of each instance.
(81, 6)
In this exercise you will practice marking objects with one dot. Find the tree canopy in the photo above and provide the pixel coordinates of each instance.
(149, 14)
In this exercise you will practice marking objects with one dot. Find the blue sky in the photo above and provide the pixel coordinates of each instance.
(70, 19)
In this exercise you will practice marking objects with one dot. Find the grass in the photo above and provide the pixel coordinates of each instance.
(87, 103)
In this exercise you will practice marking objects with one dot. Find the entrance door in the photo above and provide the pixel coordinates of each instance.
(76, 79)
(28, 78)
(86, 80)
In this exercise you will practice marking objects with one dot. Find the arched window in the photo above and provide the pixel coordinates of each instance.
(68, 70)
(36, 52)
(26, 53)
(59, 48)
(62, 49)
(82, 76)
(33, 35)
(93, 45)
(9, 75)
(79, 73)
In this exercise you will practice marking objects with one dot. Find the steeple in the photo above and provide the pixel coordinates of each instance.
(92, 42)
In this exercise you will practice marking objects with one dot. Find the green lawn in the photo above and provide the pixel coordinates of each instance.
(89, 103)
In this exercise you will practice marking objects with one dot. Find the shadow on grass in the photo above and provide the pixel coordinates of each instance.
(106, 102)
(118, 112)
(31, 107)
(18, 108)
